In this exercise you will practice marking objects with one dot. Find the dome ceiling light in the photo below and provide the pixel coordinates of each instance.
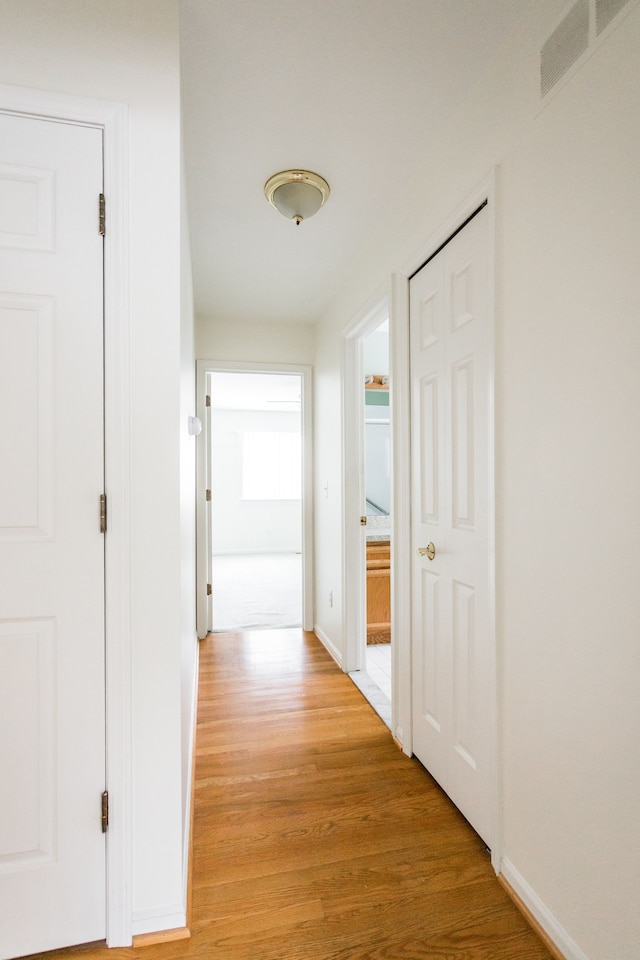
(296, 194)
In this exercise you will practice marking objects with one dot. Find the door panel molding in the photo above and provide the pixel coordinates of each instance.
(28, 830)
(112, 118)
(401, 546)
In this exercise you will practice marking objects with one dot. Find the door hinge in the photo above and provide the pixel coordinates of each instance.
(102, 215)
(207, 401)
(363, 521)
(207, 496)
(209, 590)
(105, 810)
(103, 513)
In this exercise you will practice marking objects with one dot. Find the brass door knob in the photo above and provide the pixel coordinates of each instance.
(428, 551)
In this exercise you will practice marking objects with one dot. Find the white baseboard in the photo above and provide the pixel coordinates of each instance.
(541, 913)
(186, 826)
(326, 642)
(170, 917)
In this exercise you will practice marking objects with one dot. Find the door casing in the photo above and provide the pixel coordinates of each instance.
(400, 425)
(203, 546)
(112, 119)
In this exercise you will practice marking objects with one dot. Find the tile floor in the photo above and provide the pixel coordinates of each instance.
(375, 681)
(379, 666)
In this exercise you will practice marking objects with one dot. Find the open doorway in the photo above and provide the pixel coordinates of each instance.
(368, 529)
(374, 679)
(256, 492)
(253, 473)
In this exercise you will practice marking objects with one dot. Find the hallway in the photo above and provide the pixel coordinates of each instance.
(315, 838)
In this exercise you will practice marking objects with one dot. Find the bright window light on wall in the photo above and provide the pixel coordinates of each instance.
(271, 466)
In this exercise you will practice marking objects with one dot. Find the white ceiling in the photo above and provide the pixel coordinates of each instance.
(352, 89)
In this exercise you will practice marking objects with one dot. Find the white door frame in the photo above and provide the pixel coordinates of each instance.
(353, 479)
(203, 551)
(112, 119)
(401, 544)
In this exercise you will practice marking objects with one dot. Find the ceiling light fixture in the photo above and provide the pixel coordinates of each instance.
(296, 194)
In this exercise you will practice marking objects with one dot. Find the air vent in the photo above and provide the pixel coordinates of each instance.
(566, 44)
(606, 10)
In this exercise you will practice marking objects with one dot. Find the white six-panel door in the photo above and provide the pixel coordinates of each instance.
(52, 722)
(453, 652)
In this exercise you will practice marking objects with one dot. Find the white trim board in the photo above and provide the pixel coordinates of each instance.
(112, 118)
(187, 846)
(401, 707)
(203, 369)
(329, 645)
(540, 912)
(156, 920)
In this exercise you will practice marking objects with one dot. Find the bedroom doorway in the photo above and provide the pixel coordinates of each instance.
(256, 486)
(253, 530)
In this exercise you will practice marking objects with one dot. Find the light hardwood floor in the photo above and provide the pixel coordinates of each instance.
(315, 838)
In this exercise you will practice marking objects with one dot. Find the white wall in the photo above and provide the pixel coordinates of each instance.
(568, 459)
(254, 342)
(124, 51)
(249, 526)
(375, 352)
(377, 461)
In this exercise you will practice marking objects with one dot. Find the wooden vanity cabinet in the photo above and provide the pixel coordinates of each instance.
(378, 591)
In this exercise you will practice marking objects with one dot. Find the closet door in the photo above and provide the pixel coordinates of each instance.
(454, 673)
(52, 684)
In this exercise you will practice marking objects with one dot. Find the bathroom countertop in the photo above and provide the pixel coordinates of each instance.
(378, 528)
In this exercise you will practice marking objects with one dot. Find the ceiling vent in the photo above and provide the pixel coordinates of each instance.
(580, 30)
(566, 44)
(606, 10)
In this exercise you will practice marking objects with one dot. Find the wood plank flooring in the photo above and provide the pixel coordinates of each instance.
(315, 838)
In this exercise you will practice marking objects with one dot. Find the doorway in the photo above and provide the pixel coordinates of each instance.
(254, 470)
(256, 487)
(368, 528)
(377, 510)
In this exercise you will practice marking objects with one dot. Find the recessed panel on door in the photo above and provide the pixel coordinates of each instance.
(462, 311)
(463, 443)
(464, 667)
(27, 714)
(26, 208)
(431, 686)
(429, 320)
(26, 417)
(430, 489)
